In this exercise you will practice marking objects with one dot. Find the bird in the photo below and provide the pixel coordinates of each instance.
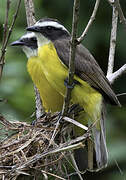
(51, 99)
(91, 90)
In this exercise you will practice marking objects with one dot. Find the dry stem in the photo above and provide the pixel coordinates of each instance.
(29, 7)
(116, 11)
(73, 44)
(117, 74)
(116, 4)
(92, 18)
(112, 42)
(7, 36)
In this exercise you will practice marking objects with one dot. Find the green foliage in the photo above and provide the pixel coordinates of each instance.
(17, 88)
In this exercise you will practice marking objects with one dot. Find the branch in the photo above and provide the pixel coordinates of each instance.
(53, 175)
(112, 42)
(6, 39)
(29, 7)
(38, 103)
(116, 11)
(30, 12)
(75, 166)
(73, 44)
(76, 123)
(2, 58)
(92, 18)
(116, 4)
(117, 74)
(6, 22)
(122, 94)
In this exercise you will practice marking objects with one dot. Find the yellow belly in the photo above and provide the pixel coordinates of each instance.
(56, 72)
(52, 100)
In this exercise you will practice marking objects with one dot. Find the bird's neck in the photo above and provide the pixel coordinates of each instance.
(42, 40)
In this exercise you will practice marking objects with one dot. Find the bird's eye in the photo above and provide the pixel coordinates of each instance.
(49, 27)
(33, 39)
(21, 40)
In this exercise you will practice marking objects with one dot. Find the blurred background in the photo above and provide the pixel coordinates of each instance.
(17, 89)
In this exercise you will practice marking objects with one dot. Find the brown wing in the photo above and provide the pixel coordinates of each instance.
(87, 69)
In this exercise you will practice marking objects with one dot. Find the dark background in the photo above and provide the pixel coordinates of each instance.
(17, 88)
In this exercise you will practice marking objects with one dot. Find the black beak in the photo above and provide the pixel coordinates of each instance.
(33, 29)
(17, 43)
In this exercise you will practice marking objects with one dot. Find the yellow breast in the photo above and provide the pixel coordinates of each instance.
(53, 68)
(52, 100)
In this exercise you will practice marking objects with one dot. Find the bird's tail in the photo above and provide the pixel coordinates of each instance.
(99, 152)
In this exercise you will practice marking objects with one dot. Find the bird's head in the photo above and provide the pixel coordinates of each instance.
(28, 43)
(49, 29)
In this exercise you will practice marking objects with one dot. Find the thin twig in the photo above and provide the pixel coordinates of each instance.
(112, 42)
(6, 122)
(117, 5)
(39, 107)
(54, 175)
(117, 74)
(3, 177)
(92, 18)
(2, 60)
(55, 131)
(30, 15)
(75, 123)
(116, 11)
(79, 139)
(73, 44)
(121, 15)
(23, 173)
(6, 22)
(2, 57)
(121, 94)
(76, 167)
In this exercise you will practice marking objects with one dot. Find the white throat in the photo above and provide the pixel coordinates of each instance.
(29, 52)
(41, 40)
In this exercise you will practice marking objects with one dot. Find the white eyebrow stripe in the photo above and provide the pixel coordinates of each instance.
(51, 23)
(28, 35)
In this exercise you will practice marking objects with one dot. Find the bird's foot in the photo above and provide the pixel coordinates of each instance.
(66, 83)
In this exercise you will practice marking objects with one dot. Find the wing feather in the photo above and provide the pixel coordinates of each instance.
(86, 68)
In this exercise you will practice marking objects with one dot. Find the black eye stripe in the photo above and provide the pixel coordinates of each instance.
(33, 39)
(50, 27)
(26, 40)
